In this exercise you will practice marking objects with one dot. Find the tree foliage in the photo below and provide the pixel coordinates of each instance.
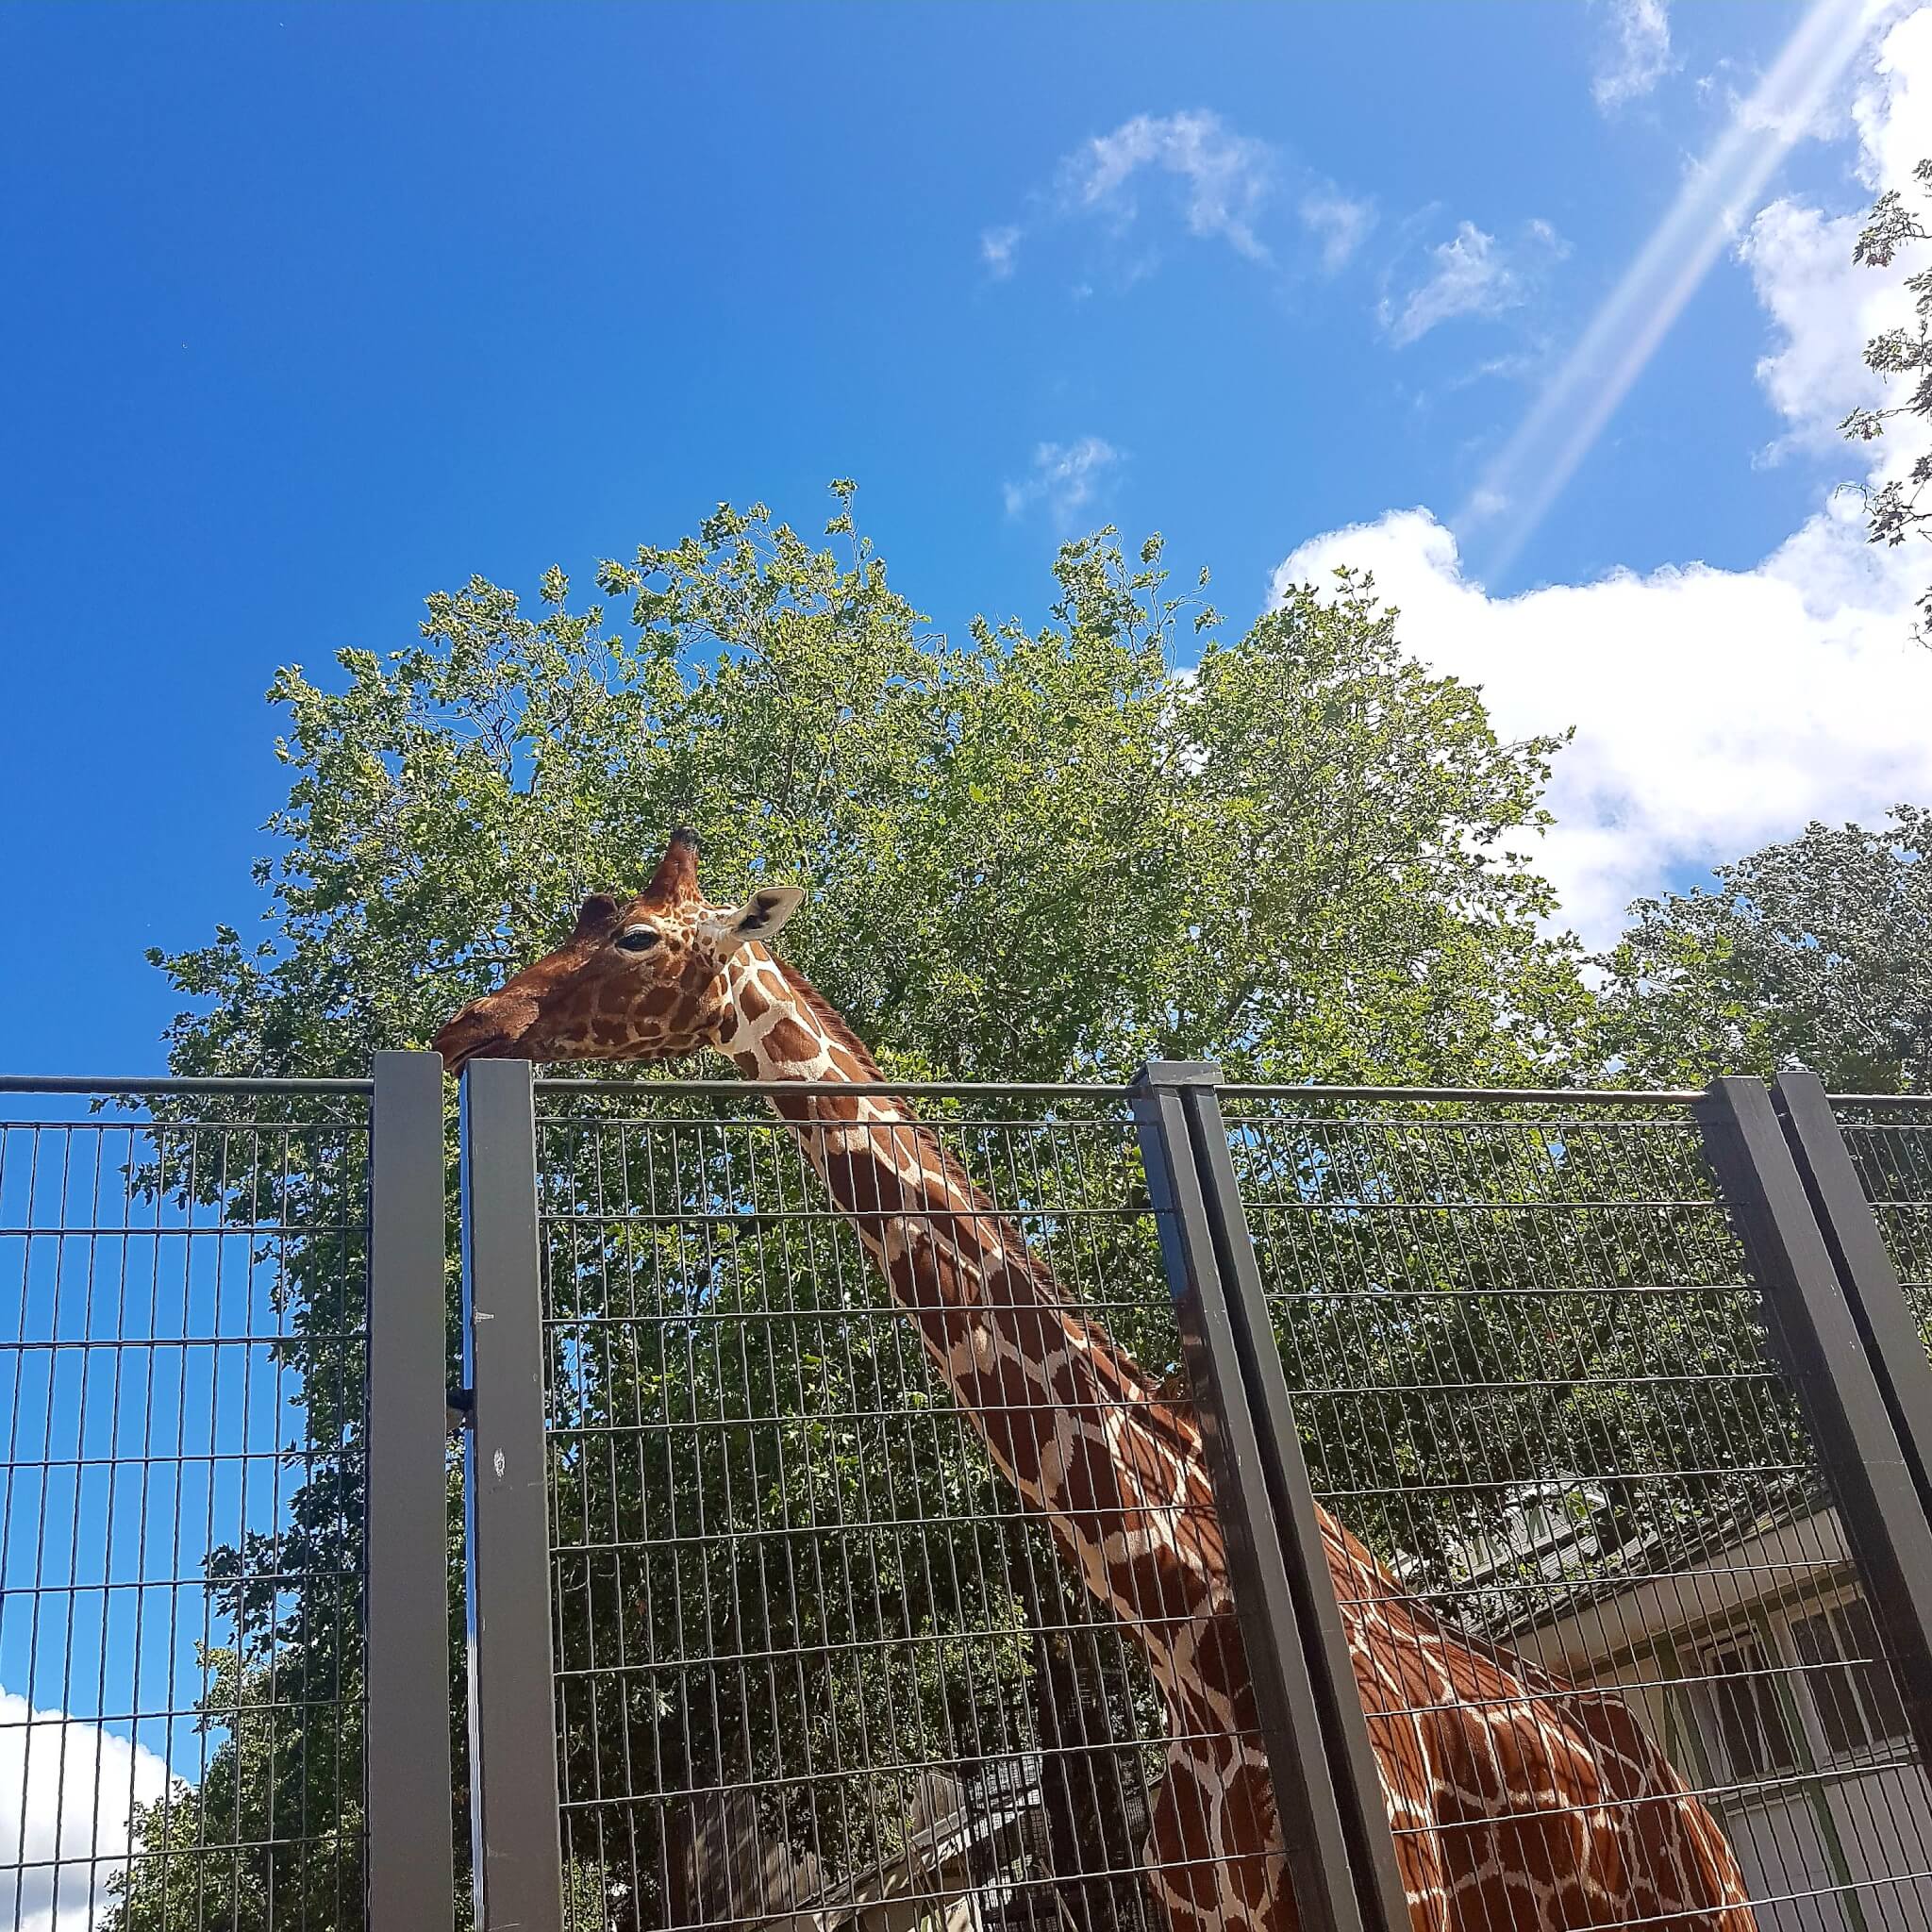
(1814, 953)
(1897, 509)
(1029, 852)
(1033, 853)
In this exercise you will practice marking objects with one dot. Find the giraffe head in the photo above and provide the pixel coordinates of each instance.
(638, 979)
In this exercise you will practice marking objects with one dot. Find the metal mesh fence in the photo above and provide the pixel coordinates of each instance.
(1531, 1375)
(1891, 1145)
(817, 1662)
(182, 1297)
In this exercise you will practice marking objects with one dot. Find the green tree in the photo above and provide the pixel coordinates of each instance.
(1033, 853)
(1897, 509)
(1028, 851)
(1814, 953)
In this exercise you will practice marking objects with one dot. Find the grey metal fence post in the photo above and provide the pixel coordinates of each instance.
(411, 1859)
(1328, 1795)
(515, 1835)
(1871, 1283)
(1817, 1338)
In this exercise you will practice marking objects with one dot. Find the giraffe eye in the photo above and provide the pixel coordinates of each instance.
(639, 939)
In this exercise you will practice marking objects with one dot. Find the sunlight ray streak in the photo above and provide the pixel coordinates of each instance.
(1549, 446)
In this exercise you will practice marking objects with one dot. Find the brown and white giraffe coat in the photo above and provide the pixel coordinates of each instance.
(1518, 1802)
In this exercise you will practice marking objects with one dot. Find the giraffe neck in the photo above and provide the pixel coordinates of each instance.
(1070, 1421)
(1077, 1427)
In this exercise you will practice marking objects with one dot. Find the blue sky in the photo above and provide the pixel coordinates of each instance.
(315, 310)
(311, 311)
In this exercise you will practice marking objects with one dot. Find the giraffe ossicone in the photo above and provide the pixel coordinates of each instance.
(1518, 1801)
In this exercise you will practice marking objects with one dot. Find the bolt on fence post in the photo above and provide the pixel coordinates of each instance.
(1813, 1330)
(1328, 1791)
(411, 1860)
(515, 1834)
(1892, 1342)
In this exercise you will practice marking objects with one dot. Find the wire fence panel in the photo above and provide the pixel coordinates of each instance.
(182, 1300)
(818, 1662)
(1891, 1145)
(1531, 1375)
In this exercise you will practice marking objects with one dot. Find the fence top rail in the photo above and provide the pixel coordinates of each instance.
(1536, 1096)
(971, 1089)
(933, 1090)
(60, 1083)
(961, 1089)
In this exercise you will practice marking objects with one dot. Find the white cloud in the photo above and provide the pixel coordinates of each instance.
(1339, 221)
(1892, 113)
(1473, 275)
(1550, 443)
(997, 247)
(1715, 710)
(1519, 365)
(1639, 55)
(1801, 265)
(66, 1791)
(1824, 309)
(1222, 177)
(1139, 180)
(1064, 479)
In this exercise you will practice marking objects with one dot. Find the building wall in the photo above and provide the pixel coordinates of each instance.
(1741, 1675)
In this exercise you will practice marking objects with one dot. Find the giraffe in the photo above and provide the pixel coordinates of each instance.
(1517, 1801)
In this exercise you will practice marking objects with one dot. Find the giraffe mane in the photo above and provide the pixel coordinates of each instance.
(838, 1028)
(1157, 1412)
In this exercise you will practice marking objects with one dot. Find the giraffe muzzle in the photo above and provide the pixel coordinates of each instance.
(486, 1029)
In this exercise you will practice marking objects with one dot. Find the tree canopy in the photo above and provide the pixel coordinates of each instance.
(1042, 853)
(1813, 953)
(1897, 509)
(1031, 852)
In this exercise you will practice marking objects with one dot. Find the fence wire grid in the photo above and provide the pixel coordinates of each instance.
(182, 1367)
(1891, 1145)
(1531, 1372)
(817, 1667)
(817, 1662)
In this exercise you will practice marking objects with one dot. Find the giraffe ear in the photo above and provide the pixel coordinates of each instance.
(595, 917)
(759, 917)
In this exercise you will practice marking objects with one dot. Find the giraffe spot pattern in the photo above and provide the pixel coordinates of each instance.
(1517, 1801)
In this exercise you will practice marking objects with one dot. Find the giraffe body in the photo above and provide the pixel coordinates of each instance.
(1519, 1802)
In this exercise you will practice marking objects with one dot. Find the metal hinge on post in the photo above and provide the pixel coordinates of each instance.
(1328, 1793)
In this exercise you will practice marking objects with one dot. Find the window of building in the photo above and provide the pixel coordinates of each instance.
(1849, 1679)
(1743, 1704)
